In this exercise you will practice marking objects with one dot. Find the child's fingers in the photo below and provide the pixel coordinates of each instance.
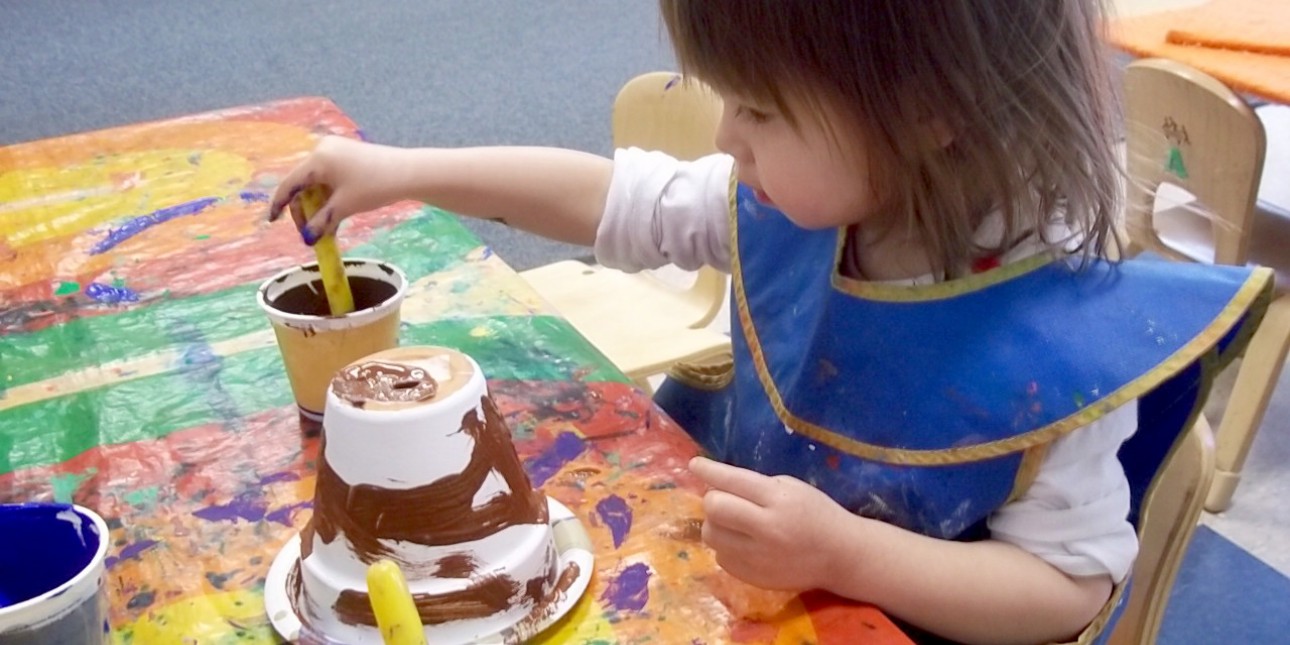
(750, 485)
(323, 222)
(732, 512)
(289, 188)
(725, 540)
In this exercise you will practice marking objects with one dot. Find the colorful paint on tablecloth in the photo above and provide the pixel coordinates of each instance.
(139, 380)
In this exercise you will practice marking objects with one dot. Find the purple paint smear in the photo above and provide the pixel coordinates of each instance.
(245, 506)
(567, 446)
(630, 590)
(252, 196)
(617, 516)
(139, 224)
(279, 477)
(110, 295)
(130, 551)
(283, 515)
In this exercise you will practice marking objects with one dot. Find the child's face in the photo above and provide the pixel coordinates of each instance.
(798, 170)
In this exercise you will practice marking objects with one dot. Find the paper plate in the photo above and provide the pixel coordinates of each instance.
(571, 542)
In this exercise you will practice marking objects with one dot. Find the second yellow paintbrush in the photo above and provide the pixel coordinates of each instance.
(339, 298)
(396, 613)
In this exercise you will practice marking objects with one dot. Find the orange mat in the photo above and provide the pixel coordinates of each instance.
(1259, 26)
(1246, 42)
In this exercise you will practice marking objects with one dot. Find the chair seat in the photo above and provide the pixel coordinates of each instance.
(637, 321)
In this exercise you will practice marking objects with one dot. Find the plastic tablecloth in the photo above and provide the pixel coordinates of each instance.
(139, 379)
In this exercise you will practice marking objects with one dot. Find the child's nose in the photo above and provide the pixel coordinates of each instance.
(728, 139)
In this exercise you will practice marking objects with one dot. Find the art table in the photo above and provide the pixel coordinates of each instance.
(1256, 61)
(138, 378)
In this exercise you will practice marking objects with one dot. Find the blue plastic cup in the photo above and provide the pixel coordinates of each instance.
(51, 575)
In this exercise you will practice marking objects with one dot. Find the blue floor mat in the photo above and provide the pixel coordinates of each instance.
(1224, 595)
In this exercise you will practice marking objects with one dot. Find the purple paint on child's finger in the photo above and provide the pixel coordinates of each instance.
(275, 209)
(617, 516)
(630, 590)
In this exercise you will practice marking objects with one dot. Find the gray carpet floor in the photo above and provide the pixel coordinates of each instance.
(409, 72)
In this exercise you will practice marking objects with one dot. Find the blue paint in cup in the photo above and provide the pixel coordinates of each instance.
(51, 575)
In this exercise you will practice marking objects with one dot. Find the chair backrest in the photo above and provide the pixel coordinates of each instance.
(663, 111)
(1167, 522)
(1186, 128)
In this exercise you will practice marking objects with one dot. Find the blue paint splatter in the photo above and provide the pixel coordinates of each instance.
(137, 225)
(245, 506)
(130, 551)
(252, 196)
(283, 515)
(488, 252)
(630, 590)
(279, 477)
(110, 295)
(672, 82)
(613, 510)
(567, 446)
(202, 365)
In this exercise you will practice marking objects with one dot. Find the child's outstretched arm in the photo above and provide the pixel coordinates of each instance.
(782, 533)
(556, 193)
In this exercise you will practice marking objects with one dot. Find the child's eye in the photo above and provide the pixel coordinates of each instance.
(756, 116)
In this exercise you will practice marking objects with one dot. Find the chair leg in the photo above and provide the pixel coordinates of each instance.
(1257, 378)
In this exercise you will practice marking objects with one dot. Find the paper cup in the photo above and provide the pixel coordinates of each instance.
(315, 345)
(52, 560)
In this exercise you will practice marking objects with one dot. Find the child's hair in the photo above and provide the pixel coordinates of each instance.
(1023, 86)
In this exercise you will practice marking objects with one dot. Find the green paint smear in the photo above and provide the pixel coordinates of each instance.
(142, 497)
(65, 484)
(67, 288)
(224, 391)
(424, 244)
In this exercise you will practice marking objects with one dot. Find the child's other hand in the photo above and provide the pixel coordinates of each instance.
(772, 532)
(359, 177)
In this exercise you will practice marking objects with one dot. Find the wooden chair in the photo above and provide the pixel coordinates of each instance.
(1188, 130)
(1168, 519)
(642, 323)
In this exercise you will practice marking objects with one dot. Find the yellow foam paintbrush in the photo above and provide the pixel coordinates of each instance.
(335, 283)
(396, 614)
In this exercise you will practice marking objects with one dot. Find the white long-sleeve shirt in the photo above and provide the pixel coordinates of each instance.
(661, 210)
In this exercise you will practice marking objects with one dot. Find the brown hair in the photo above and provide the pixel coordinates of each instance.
(1023, 85)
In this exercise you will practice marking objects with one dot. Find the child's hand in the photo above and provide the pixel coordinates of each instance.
(773, 532)
(359, 176)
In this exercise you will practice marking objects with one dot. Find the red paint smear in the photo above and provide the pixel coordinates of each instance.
(744, 631)
(842, 622)
(254, 259)
(204, 464)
